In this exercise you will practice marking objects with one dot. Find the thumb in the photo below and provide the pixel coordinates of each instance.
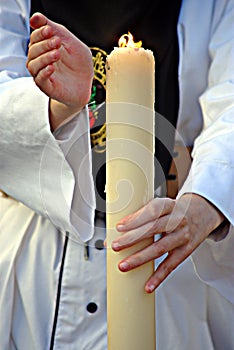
(38, 20)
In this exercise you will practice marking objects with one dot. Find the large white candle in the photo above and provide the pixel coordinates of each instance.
(129, 185)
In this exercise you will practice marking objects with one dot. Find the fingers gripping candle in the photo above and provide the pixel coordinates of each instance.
(129, 185)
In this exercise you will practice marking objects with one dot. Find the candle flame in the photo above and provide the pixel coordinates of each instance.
(126, 40)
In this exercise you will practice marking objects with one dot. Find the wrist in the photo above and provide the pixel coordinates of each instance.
(60, 113)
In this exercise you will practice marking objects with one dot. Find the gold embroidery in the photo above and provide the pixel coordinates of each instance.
(98, 138)
(99, 63)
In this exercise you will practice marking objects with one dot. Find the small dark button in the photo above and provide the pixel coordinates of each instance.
(99, 244)
(91, 308)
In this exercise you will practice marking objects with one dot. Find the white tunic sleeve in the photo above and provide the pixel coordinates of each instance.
(33, 164)
(212, 171)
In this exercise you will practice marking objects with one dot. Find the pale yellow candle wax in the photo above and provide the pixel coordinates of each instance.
(129, 185)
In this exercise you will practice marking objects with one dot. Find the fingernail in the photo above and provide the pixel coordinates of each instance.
(115, 245)
(150, 288)
(120, 227)
(124, 266)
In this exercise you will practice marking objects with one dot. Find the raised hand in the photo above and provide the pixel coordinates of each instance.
(61, 66)
(183, 224)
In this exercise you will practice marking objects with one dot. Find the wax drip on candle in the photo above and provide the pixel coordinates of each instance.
(126, 40)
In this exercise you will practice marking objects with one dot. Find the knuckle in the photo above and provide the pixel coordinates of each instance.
(160, 248)
(171, 203)
(39, 79)
(183, 222)
(155, 227)
(51, 43)
(45, 59)
(187, 234)
(48, 45)
(152, 209)
(166, 270)
(44, 32)
(189, 249)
